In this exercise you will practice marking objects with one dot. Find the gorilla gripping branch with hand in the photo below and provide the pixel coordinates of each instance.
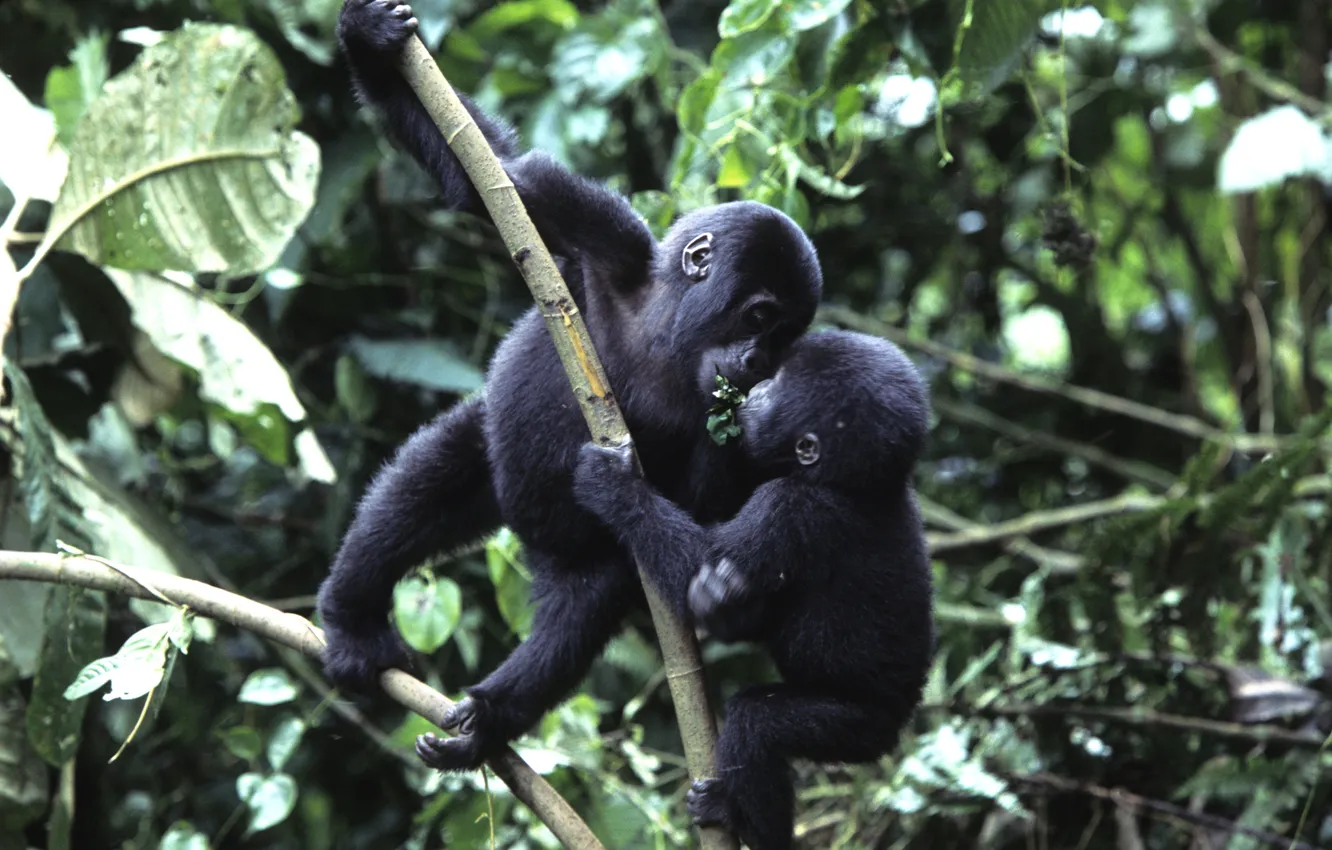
(296, 632)
(684, 667)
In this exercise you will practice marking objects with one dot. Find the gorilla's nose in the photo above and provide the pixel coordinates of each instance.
(755, 362)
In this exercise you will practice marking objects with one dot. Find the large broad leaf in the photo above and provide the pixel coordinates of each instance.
(236, 370)
(189, 160)
(23, 781)
(72, 638)
(269, 798)
(97, 515)
(993, 43)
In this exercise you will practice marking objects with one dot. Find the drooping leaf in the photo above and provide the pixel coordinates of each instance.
(269, 686)
(430, 363)
(23, 780)
(269, 799)
(513, 584)
(236, 370)
(183, 836)
(427, 611)
(993, 43)
(189, 160)
(283, 741)
(73, 634)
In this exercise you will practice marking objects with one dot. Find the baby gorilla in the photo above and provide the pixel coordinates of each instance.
(825, 565)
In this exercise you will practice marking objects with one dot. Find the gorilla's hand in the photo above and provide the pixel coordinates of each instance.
(605, 479)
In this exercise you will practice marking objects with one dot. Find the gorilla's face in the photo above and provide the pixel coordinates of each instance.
(748, 282)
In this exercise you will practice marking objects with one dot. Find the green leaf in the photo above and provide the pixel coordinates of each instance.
(284, 740)
(182, 836)
(609, 52)
(243, 742)
(73, 634)
(694, 102)
(807, 14)
(513, 584)
(355, 392)
(270, 686)
(427, 611)
(270, 799)
(558, 13)
(53, 511)
(993, 44)
(430, 363)
(735, 172)
(743, 16)
(236, 370)
(307, 25)
(23, 779)
(136, 668)
(754, 59)
(71, 88)
(189, 160)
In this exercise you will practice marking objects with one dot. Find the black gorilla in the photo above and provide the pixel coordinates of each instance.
(727, 290)
(826, 565)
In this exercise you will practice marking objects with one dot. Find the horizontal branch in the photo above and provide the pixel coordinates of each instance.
(296, 632)
(1190, 426)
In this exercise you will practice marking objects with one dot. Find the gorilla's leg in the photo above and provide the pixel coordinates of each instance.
(766, 726)
(577, 613)
(434, 496)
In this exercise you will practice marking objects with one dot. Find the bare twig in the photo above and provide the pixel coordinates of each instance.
(1133, 470)
(1136, 716)
(300, 634)
(1190, 426)
(1036, 521)
(1057, 562)
(684, 665)
(1158, 808)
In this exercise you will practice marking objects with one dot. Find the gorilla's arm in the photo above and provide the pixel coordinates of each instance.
(577, 218)
(665, 541)
(434, 496)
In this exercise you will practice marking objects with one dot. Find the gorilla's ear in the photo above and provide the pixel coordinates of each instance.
(807, 449)
(696, 258)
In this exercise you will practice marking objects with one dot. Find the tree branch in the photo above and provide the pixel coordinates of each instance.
(296, 632)
(684, 665)
(1180, 423)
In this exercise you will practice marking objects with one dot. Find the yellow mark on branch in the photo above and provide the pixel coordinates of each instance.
(566, 313)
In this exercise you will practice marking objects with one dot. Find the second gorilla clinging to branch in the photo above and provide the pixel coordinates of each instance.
(825, 565)
(726, 291)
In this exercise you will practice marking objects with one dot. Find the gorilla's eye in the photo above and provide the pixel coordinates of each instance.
(807, 449)
(697, 257)
(760, 318)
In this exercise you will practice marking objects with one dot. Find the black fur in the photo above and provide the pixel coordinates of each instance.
(826, 565)
(508, 456)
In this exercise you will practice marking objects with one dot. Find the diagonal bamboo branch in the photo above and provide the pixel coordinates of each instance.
(294, 631)
(684, 666)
